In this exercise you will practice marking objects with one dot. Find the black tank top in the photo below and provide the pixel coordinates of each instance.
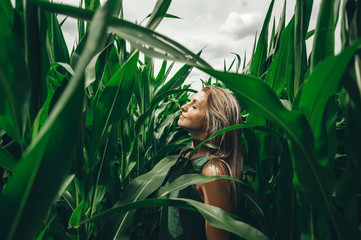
(177, 223)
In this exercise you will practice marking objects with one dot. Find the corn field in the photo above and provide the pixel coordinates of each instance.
(88, 138)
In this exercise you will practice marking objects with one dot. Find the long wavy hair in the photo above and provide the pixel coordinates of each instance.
(223, 110)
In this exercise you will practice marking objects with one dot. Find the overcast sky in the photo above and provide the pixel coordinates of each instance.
(220, 27)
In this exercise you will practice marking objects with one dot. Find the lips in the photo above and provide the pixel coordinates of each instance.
(182, 116)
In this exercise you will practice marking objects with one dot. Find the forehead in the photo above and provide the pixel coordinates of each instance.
(200, 97)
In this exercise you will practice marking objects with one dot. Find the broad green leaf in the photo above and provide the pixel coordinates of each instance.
(7, 162)
(321, 85)
(214, 215)
(177, 80)
(161, 130)
(238, 61)
(187, 180)
(96, 69)
(323, 43)
(32, 190)
(348, 184)
(234, 127)
(92, 4)
(139, 189)
(7, 10)
(14, 80)
(302, 18)
(158, 98)
(36, 55)
(57, 49)
(275, 43)
(259, 58)
(76, 216)
(112, 64)
(66, 66)
(163, 152)
(272, 34)
(288, 213)
(102, 180)
(158, 13)
(111, 105)
(161, 76)
(81, 24)
(281, 66)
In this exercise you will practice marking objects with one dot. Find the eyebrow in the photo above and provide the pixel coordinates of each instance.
(195, 101)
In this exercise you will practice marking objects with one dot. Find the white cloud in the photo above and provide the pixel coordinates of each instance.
(240, 25)
(244, 3)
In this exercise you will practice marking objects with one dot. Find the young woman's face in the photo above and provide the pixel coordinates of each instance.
(194, 113)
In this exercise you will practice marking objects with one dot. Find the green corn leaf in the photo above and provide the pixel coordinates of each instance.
(244, 61)
(76, 216)
(291, 66)
(7, 162)
(161, 76)
(158, 13)
(230, 128)
(161, 129)
(331, 71)
(145, 82)
(137, 190)
(281, 67)
(158, 98)
(164, 151)
(275, 44)
(66, 66)
(109, 153)
(8, 11)
(110, 57)
(302, 18)
(111, 105)
(238, 65)
(322, 84)
(288, 216)
(272, 34)
(214, 215)
(323, 43)
(57, 50)
(177, 80)
(81, 25)
(36, 55)
(259, 58)
(32, 190)
(187, 180)
(92, 4)
(347, 186)
(167, 15)
(14, 83)
(96, 67)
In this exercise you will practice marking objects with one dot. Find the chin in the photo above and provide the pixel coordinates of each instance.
(179, 122)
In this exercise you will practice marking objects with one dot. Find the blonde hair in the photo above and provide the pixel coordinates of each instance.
(223, 110)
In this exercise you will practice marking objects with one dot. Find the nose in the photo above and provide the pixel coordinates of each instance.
(184, 107)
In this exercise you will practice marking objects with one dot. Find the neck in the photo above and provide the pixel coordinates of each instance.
(196, 140)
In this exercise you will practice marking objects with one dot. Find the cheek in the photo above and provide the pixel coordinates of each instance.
(199, 121)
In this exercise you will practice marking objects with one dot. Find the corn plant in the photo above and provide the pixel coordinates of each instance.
(88, 138)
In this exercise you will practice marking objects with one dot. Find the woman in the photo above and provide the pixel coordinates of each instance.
(210, 110)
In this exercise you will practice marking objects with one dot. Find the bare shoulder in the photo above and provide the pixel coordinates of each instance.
(215, 167)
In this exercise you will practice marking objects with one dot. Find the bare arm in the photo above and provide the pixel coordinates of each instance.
(216, 193)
